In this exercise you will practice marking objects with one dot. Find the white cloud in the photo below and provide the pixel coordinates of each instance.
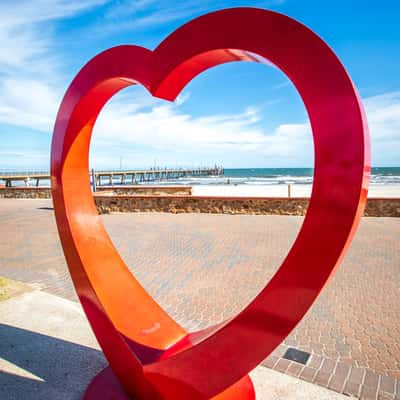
(18, 13)
(28, 103)
(29, 70)
(383, 114)
(127, 15)
(283, 84)
(25, 34)
(163, 131)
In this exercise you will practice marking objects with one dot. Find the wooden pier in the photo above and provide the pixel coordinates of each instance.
(120, 177)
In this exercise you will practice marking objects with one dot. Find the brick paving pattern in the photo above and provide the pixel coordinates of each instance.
(203, 268)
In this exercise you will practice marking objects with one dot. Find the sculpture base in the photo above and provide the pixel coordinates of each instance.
(105, 386)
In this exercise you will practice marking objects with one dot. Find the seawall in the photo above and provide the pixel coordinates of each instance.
(179, 200)
(230, 205)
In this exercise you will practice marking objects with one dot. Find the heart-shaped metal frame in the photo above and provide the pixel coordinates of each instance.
(151, 356)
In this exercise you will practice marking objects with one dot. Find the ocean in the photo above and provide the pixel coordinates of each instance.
(380, 176)
(280, 176)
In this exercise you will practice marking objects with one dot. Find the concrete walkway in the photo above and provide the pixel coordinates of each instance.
(48, 352)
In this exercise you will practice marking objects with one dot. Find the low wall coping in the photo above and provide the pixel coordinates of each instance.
(25, 188)
(107, 187)
(185, 196)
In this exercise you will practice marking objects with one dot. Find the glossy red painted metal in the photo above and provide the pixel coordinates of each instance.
(151, 356)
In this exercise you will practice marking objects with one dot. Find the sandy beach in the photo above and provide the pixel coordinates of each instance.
(303, 190)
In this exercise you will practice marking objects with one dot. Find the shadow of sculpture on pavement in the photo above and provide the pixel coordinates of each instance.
(45, 367)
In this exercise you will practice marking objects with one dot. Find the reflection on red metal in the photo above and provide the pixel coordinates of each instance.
(150, 355)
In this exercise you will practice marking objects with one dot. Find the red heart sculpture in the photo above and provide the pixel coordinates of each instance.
(150, 355)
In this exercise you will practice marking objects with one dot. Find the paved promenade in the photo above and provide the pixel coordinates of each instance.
(204, 268)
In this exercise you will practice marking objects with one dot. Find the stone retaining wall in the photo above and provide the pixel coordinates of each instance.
(200, 204)
(229, 205)
(382, 208)
(25, 192)
(376, 207)
(33, 192)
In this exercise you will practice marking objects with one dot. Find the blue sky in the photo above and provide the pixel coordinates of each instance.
(237, 115)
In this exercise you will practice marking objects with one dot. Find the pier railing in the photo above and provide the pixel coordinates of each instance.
(108, 177)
